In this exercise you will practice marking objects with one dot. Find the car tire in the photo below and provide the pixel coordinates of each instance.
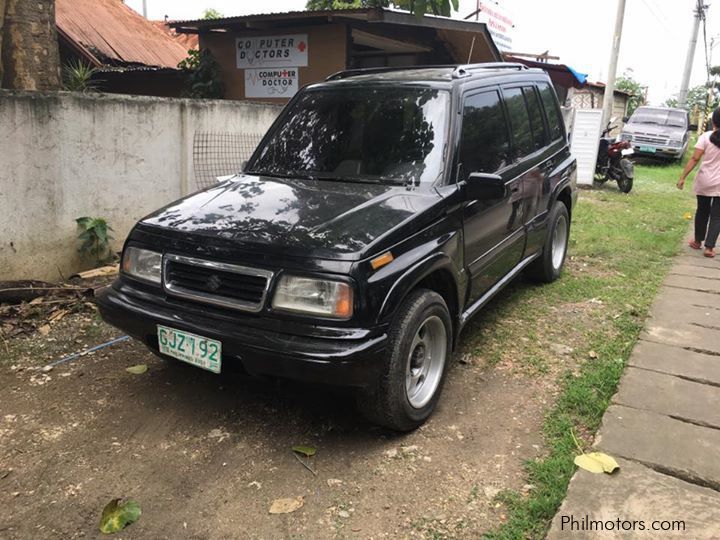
(548, 266)
(415, 364)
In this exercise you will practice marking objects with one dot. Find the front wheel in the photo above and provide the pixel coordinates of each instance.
(625, 183)
(548, 266)
(416, 360)
(626, 171)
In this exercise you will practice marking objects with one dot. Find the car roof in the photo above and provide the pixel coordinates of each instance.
(436, 75)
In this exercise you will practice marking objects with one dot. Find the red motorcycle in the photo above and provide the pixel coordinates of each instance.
(612, 162)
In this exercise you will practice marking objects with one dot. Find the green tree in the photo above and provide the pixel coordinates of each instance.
(211, 13)
(419, 7)
(204, 80)
(627, 83)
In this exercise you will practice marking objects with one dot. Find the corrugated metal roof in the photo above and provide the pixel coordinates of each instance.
(188, 41)
(115, 34)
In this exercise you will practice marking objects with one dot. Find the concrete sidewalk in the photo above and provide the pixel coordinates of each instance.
(663, 425)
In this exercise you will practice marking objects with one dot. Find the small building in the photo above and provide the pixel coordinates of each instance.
(592, 95)
(564, 78)
(131, 54)
(269, 57)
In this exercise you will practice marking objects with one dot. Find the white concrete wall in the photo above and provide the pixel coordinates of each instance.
(64, 155)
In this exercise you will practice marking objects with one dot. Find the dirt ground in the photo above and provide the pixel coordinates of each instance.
(205, 455)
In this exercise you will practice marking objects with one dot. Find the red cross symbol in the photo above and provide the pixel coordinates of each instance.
(302, 46)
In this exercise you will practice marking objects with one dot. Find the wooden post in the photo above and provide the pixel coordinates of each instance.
(2, 26)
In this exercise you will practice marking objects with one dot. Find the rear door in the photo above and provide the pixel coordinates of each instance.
(531, 153)
(494, 236)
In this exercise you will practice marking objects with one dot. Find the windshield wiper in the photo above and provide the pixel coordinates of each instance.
(284, 176)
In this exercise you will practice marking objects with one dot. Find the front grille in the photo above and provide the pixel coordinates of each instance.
(642, 139)
(227, 285)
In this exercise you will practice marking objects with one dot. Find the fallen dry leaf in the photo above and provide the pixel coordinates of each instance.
(137, 370)
(597, 462)
(285, 506)
(58, 315)
(307, 451)
(44, 329)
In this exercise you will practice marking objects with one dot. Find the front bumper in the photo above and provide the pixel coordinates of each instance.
(335, 361)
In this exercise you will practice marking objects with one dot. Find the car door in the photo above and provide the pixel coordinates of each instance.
(530, 150)
(493, 233)
(551, 159)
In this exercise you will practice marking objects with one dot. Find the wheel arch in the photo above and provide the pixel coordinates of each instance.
(565, 196)
(436, 273)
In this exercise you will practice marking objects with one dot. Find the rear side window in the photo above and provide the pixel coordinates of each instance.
(485, 141)
(519, 122)
(555, 121)
(536, 117)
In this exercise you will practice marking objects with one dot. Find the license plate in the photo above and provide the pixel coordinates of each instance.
(627, 152)
(650, 149)
(196, 350)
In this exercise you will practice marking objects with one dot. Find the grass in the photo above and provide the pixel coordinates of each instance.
(621, 248)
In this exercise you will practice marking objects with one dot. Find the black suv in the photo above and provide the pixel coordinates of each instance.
(381, 211)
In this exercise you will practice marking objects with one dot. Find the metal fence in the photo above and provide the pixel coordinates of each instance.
(220, 154)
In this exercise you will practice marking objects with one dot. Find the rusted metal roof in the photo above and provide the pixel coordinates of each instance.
(188, 41)
(111, 33)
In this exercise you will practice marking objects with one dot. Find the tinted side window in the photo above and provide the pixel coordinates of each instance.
(485, 142)
(555, 121)
(519, 122)
(536, 117)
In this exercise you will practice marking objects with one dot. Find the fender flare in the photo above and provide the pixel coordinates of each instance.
(414, 275)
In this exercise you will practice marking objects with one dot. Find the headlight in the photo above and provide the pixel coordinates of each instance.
(626, 136)
(314, 296)
(674, 142)
(142, 264)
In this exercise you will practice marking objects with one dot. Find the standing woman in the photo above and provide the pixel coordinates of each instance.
(706, 187)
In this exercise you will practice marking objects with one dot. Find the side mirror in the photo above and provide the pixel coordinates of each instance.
(485, 187)
(243, 165)
(692, 127)
(625, 119)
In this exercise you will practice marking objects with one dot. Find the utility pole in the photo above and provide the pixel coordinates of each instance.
(609, 96)
(698, 13)
(145, 10)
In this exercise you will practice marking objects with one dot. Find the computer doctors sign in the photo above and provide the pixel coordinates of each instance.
(271, 64)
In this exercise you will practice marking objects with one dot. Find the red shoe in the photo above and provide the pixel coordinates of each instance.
(709, 253)
(694, 244)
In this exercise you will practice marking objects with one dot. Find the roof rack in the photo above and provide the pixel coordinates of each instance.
(344, 74)
(464, 70)
(459, 70)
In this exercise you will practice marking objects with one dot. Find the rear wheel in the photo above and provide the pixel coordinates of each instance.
(419, 346)
(548, 266)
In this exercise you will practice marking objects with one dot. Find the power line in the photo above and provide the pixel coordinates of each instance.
(659, 19)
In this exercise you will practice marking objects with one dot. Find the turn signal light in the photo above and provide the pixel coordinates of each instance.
(382, 260)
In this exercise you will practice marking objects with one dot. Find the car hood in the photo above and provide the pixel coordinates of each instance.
(330, 219)
(654, 129)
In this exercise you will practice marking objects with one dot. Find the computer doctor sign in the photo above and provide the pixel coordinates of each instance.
(271, 64)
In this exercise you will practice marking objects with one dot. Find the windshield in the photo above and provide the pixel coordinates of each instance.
(393, 135)
(660, 117)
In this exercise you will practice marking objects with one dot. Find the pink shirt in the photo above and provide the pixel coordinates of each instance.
(707, 180)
